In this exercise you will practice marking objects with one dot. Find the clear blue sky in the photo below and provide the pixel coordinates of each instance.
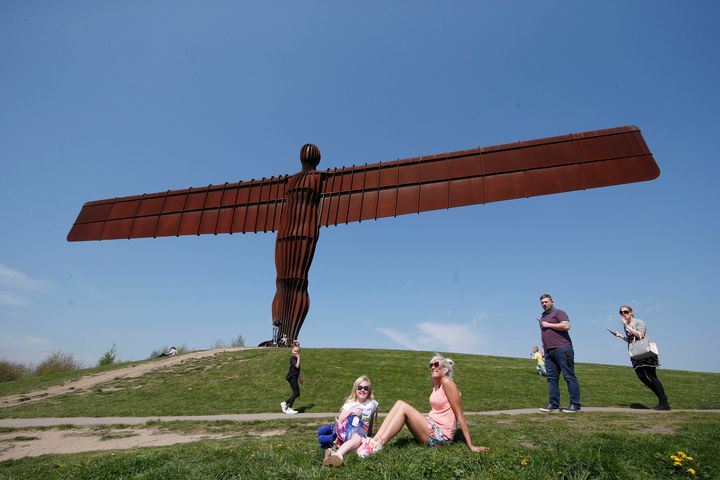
(101, 99)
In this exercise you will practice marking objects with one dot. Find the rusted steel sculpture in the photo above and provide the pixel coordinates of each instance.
(297, 206)
(295, 247)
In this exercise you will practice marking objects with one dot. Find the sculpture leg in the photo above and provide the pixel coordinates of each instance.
(290, 306)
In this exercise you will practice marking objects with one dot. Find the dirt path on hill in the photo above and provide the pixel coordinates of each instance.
(33, 443)
(87, 382)
(24, 438)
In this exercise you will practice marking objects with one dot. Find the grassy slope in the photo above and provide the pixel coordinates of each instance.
(523, 447)
(253, 381)
(572, 447)
(40, 382)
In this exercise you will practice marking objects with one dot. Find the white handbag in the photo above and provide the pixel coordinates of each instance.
(643, 348)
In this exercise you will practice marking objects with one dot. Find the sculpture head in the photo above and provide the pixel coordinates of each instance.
(309, 156)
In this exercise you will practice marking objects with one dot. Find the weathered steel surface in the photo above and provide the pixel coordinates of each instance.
(490, 174)
(295, 247)
(297, 206)
(254, 206)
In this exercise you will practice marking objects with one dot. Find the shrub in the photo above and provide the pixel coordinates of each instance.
(12, 371)
(58, 362)
(219, 344)
(238, 341)
(108, 357)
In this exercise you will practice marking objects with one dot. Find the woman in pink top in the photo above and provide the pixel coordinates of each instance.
(437, 427)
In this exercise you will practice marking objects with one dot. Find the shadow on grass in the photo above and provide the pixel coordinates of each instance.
(305, 408)
(405, 442)
(639, 406)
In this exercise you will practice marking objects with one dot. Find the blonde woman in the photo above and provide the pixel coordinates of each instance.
(437, 427)
(635, 329)
(361, 403)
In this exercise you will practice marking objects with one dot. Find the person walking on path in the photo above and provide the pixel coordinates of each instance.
(559, 356)
(635, 329)
(438, 427)
(293, 378)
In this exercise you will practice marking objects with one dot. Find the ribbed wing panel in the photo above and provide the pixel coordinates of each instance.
(490, 174)
(254, 206)
(524, 169)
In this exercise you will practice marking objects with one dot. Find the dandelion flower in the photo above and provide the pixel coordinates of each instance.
(524, 461)
(677, 464)
(691, 471)
(675, 457)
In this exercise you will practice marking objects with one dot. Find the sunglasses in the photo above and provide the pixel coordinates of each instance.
(434, 364)
(624, 312)
(364, 388)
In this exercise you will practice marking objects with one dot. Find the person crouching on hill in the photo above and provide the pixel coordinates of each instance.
(437, 427)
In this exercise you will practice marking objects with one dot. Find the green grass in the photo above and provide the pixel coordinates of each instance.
(252, 381)
(587, 446)
(584, 446)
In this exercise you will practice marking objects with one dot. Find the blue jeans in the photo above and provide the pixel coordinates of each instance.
(561, 360)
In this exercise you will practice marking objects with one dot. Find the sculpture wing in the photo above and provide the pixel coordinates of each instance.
(524, 169)
(252, 206)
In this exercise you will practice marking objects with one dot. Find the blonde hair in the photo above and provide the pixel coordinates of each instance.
(447, 363)
(353, 394)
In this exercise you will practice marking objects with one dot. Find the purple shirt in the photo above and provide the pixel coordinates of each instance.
(555, 338)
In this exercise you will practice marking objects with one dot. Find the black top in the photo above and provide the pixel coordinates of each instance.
(294, 370)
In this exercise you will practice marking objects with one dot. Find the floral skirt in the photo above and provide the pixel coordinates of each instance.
(437, 437)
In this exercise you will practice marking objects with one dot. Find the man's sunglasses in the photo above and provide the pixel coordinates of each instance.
(624, 312)
(364, 388)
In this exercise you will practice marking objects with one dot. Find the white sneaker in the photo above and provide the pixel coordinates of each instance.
(369, 446)
(290, 411)
(283, 407)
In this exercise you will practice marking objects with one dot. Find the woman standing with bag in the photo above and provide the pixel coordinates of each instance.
(644, 368)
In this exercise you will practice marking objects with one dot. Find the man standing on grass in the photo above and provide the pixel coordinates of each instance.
(559, 356)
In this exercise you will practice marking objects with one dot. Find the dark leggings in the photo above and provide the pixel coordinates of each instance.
(293, 381)
(649, 378)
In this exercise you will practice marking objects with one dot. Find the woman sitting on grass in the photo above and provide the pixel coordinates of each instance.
(362, 404)
(437, 427)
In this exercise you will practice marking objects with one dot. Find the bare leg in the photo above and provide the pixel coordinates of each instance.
(402, 413)
(351, 444)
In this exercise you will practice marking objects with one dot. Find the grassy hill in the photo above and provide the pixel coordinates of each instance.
(527, 446)
(251, 381)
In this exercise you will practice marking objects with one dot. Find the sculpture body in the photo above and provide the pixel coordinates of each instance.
(295, 247)
(296, 207)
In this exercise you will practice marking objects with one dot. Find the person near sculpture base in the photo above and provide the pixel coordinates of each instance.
(293, 378)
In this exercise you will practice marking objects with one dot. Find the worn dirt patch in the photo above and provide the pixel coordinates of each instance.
(85, 383)
(266, 433)
(664, 429)
(33, 443)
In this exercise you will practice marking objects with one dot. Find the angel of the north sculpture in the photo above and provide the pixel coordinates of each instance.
(296, 206)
